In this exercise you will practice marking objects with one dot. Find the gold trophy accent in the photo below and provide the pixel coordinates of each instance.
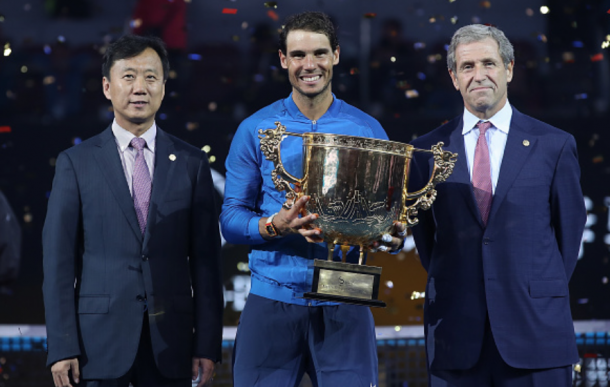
(358, 187)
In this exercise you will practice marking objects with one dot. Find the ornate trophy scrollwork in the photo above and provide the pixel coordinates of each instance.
(444, 162)
(270, 146)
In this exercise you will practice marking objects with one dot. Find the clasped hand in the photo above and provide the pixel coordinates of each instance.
(289, 222)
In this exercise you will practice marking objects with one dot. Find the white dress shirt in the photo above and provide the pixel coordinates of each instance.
(496, 139)
(128, 153)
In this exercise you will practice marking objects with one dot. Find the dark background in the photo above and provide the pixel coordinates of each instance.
(393, 66)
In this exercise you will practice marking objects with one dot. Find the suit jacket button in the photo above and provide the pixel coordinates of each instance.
(145, 258)
(486, 241)
(140, 298)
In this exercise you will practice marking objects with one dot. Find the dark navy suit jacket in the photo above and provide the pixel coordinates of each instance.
(99, 268)
(515, 270)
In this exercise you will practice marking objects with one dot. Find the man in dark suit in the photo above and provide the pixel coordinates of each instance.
(502, 239)
(132, 286)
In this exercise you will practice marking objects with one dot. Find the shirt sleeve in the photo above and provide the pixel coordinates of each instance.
(240, 215)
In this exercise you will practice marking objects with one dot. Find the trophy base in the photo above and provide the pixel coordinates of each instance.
(346, 283)
(344, 299)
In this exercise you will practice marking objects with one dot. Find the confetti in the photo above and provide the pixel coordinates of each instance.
(605, 44)
(271, 4)
(419, 45)
(61, 39)
(578, 44)
(230, 11)
(212, 159)
(370, 15)
(485, 4)
(206, 148)
(7, 49)
(544, 10)
(136, 23)
(529, 12)
(47, 49)
(454, 20)
(568, 57)
(194, 56)
(1, 18)
(421, 76)
(542, 38)
(272, 15)
(597, 57)
(581, 96)
(190, 126)
(354, 71)
(411, 93)
(173, 74)
(24, 69)
(598, 159)
(5, 129)
(212, 106)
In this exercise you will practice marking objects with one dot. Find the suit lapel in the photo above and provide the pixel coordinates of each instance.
(460, 173)
(515, 156)
(164, 168)
(109, 161)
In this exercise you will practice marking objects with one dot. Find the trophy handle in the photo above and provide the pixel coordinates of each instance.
(270, 146)
(444, 161)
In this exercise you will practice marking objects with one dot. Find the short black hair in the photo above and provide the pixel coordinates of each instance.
(309, 21)
(129, 46)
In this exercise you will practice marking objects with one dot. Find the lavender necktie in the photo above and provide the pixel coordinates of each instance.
(141, 183)
(481, 174)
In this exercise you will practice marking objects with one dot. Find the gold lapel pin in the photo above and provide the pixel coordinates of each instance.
(526, 143)
(172, 157)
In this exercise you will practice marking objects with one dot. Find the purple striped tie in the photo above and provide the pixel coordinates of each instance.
(481, 174)
(141, 183)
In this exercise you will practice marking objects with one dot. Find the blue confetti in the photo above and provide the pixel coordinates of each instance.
(77, 140)
(421, 76)
(47, 49)
(194, 56)
(446, 47)
(581, 96)
(163, 116)
(259, 78)
(578, 44)
(61, 38)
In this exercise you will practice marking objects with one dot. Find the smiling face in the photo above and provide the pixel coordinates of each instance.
(136, 89)
(309, 60)
(481, 77)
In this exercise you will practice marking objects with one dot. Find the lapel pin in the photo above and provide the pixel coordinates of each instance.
(525, 143)
(172, 157)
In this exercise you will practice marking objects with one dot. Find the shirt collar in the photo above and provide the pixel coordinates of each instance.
(124, 137)
(293, 109)
(500, 120)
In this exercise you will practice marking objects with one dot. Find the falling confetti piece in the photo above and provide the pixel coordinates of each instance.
(419, 45)
(5, 129)
(354, 71)
(485, 4)
(272, 15)
(194, 56)
(1, 18)
(192, 126)
(597, 57)
(271, 4)
(544, 10)
(568, 57)
(529, 12)
(581, 96)
(412, 93)
(370, 15)
(230, 11)
(598, 159)
(454, 20)
(578, 44)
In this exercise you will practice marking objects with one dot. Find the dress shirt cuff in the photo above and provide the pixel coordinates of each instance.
(255, 235)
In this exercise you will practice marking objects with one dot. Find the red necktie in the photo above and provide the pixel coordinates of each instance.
(481, 173)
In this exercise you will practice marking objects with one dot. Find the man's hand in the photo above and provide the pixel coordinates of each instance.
(61, 371)
(207, 367)
(288, 222)
(391, 242)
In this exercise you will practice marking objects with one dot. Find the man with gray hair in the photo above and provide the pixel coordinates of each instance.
(502, 239)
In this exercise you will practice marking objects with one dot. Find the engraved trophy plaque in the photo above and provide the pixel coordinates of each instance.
(358, 187)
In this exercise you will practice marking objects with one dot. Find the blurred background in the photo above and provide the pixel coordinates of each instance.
(224, 61)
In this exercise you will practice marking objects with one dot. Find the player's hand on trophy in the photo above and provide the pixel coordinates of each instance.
(289, 222)
(391, 242)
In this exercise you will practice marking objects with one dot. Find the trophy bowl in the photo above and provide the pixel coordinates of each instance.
(358, 187)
